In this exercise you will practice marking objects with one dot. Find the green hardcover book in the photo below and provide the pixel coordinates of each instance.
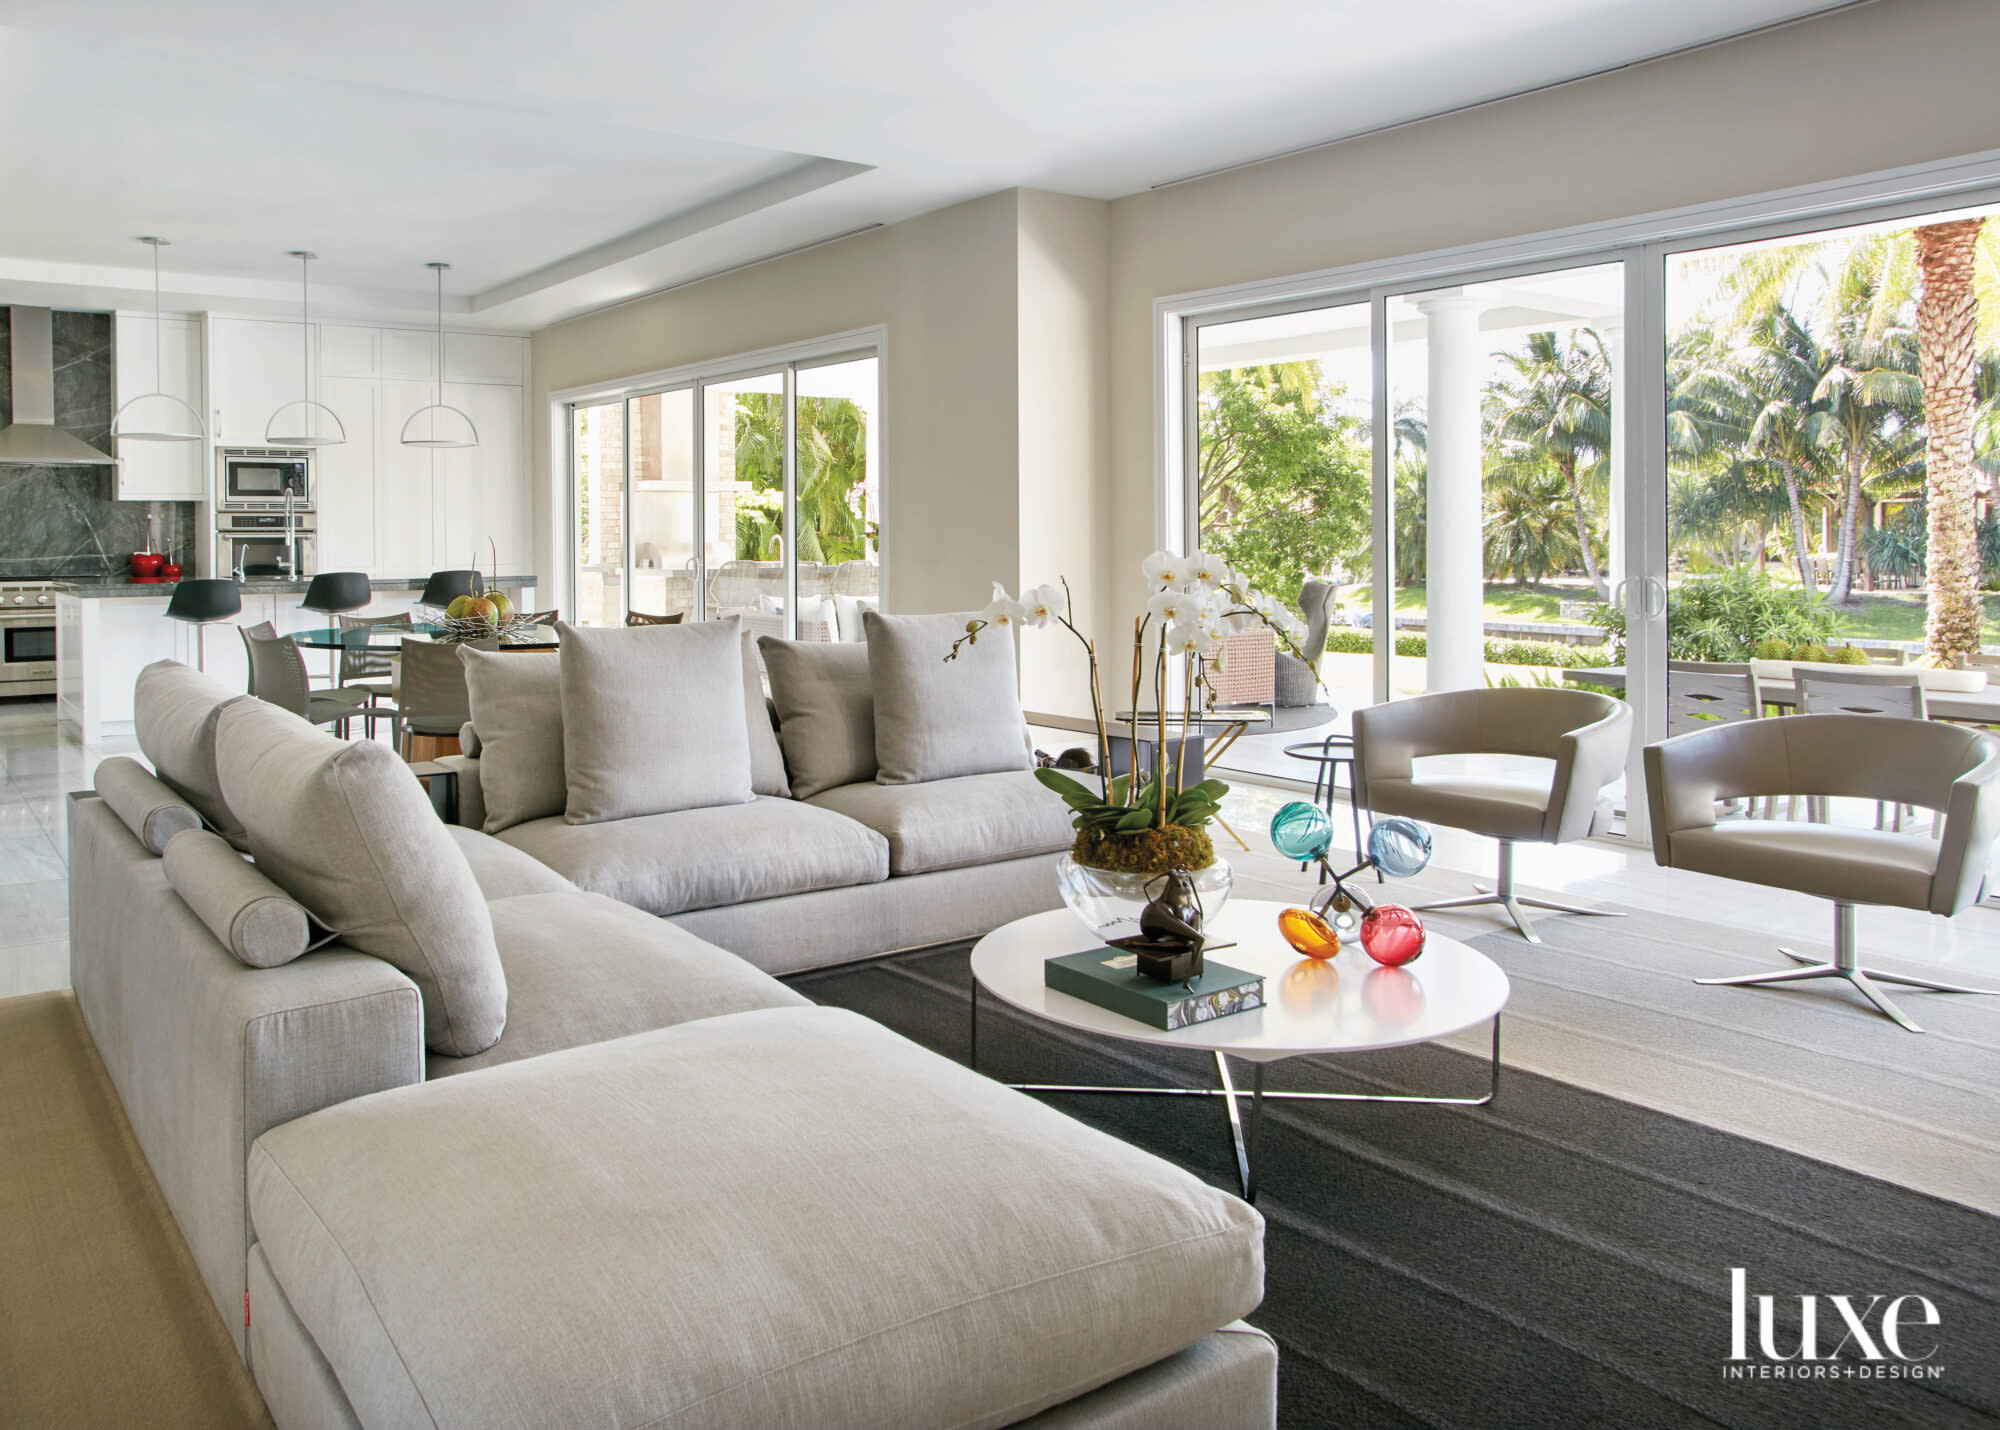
(1109, 977)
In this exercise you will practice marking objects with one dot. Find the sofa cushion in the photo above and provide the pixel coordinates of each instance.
(153, 810)
(582, 968)
(937, 719)
(516, 703)
(344, 828)
(767, 761)
(249, 915)
(175, 711)
(653, 719)
(503, 871)
(785, 1218)
(942, 824)
(697, 858)
(826, 712)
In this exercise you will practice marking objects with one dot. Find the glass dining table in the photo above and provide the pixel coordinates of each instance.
(391, 638)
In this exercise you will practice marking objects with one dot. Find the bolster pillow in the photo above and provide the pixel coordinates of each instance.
(152, 811)
(253, 918)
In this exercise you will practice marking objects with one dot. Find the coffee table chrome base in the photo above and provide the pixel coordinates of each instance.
(1503, 894)
(1246, 1144)
(1846, 964)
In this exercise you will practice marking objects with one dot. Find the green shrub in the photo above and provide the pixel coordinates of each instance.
(1347, 640)
(1726, 617)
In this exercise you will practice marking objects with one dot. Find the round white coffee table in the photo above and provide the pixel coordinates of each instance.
(1345, 1004)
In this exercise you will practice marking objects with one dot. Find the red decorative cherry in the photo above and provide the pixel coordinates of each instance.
(1392, 935)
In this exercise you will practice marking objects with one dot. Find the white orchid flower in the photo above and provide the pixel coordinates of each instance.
(1172, 606)
(1241, 620)
(1163, 568)
(1041, 605)
(1207, 571)
(1189, 637)
(1003, 611)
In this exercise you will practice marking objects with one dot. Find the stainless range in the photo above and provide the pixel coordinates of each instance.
(27, 638)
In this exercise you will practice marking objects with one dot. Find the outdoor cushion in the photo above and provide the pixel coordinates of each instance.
(789, 1218)
(653, 719)
(248, 914)
(697, 858)
(1866, 866)
(942, 824)
(516, 702)
(344, 827)
(582, 968)
(175, 711)
(502, 870)
(936, 719)
(1499, 809)
(152, 810)
(826, 712)
(767, 761)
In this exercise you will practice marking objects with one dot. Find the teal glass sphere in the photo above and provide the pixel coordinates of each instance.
(1301, 831)
(1400, 847)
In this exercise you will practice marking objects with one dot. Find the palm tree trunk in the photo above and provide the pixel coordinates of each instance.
(1598, 583)
(1799, 552)
(1947, 357)
(1850, 512)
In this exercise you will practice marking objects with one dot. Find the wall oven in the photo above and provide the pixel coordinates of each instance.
(27, 639)
(258, 546)
(259, 478)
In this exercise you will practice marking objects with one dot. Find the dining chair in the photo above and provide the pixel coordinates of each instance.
(642, 618)
(371, 668)
(431, 694)
(278, 675)
(542, 618)
(1860, 691)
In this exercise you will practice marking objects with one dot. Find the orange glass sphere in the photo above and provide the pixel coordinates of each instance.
(1307, 932)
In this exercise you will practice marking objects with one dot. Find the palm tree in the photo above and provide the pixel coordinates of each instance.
(1948, 360)
(1529, 534)
(1552, 408)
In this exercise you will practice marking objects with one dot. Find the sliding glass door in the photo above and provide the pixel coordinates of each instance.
(754, 495)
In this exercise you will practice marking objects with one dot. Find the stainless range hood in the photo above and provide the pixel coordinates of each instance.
(33, 439)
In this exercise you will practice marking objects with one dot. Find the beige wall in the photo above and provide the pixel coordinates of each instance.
(1868, 89)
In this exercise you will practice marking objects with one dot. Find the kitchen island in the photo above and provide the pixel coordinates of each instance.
(109, 629)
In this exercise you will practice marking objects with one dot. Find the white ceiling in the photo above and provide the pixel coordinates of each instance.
(564, 157)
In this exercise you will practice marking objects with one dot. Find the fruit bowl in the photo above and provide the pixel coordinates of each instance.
(473, 628)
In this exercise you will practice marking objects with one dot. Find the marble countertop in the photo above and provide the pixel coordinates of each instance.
(111, 587)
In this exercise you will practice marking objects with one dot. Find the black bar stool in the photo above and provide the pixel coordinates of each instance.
(202, 603)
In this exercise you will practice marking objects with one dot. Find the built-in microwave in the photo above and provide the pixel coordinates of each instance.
(257, 479)
(257, 546)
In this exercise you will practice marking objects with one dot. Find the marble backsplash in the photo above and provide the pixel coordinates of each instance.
(68, 521)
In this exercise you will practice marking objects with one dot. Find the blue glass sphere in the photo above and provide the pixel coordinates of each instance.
(1400, 847)
(1302, 831)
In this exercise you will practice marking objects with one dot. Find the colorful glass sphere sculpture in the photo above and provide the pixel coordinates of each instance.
(1308, 933)
(1392, 935)
(1301, 831)
(1399, 847)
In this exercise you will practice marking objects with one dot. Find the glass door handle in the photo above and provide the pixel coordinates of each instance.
(1651, 588)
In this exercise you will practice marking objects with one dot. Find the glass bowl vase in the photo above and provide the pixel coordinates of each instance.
(1108, 903)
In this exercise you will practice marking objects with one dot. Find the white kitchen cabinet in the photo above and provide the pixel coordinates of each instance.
(159, 471)
(348, 351)
(409, 352)
(482, 492)
(256, 366)
(346, 477)
(404, 495)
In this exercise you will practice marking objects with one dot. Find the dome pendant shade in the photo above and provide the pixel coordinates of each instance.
(311, 423)
(157, 416)
(314, 423)
(440, 424)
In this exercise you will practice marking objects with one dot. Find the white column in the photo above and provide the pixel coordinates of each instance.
(1612, 330)
(1455, 558)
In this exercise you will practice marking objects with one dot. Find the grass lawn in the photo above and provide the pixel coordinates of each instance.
(1504, 600)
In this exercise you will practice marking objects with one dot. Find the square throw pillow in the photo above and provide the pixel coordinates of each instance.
(826, 712)
(653, 719)
(344, 827)
(516, 702)
(767, 761)
(938, 719)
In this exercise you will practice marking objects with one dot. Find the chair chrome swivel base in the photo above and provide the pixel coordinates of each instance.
(1502, 893)
(1846, 964)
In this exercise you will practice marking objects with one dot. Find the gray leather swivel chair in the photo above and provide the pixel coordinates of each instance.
(1585, 734)
(1940, 767)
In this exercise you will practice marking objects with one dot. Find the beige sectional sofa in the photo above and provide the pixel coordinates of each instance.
(666, 1189)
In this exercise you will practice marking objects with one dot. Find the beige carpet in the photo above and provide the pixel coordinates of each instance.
(103, 1319)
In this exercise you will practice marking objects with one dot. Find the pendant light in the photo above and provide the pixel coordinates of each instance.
(164, 417)
(440, 425)
(304, 423)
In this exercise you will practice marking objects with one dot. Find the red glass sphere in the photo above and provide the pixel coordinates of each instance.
(1392, 935)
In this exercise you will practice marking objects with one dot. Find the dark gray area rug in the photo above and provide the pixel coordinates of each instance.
(1560, 1258)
